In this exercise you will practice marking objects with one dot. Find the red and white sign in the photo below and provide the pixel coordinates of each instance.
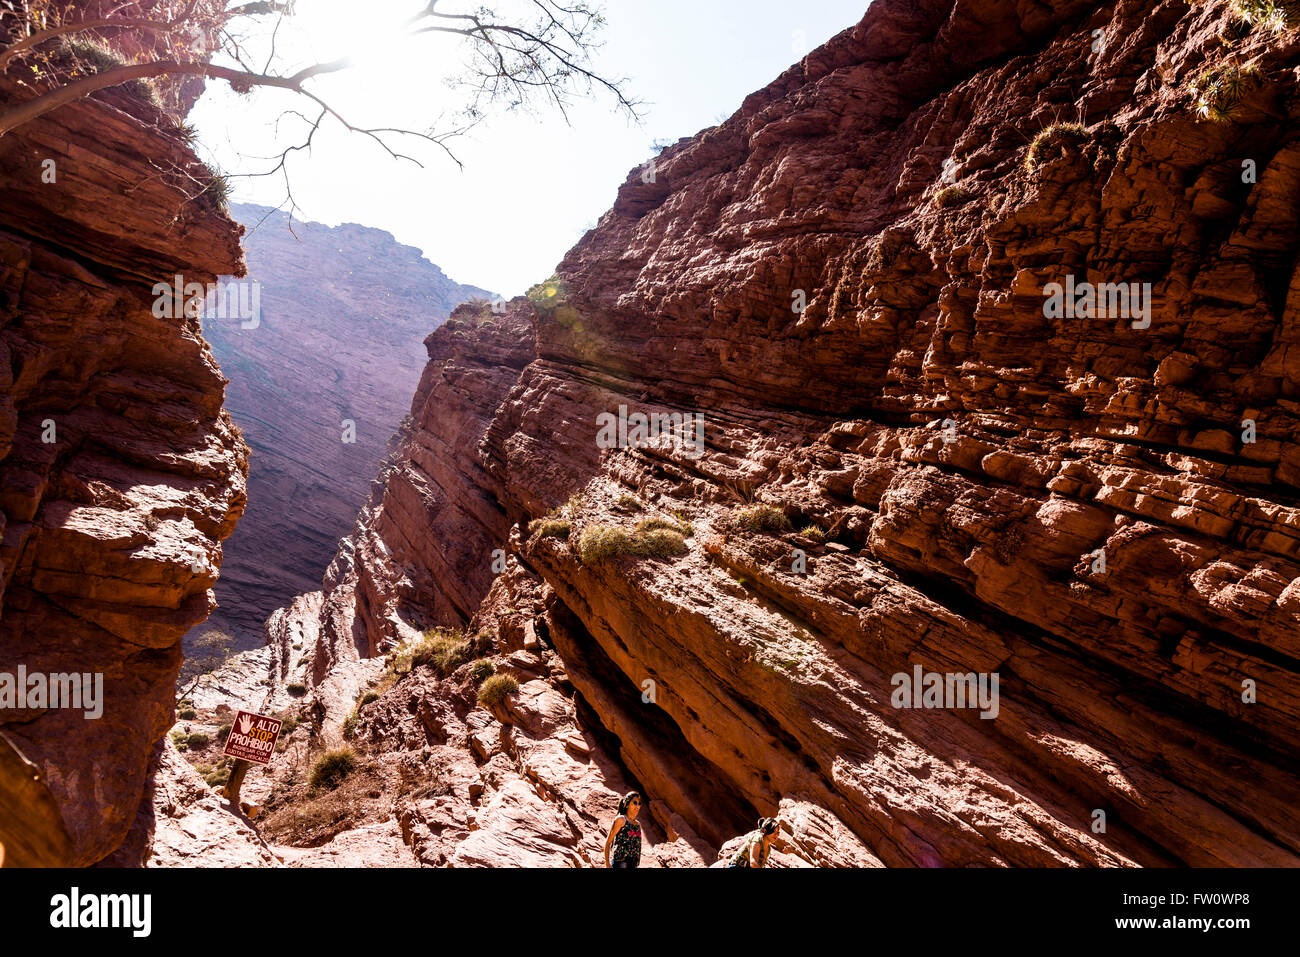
(253, 737)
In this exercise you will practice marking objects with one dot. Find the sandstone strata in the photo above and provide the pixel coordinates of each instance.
(962, 458)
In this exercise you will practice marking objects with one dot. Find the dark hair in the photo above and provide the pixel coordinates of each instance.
(627, 799)
(768, 825)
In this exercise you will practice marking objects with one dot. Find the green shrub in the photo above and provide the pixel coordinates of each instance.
(198, 741)
(332, 767)
(188, 714)
(1217, 93)
(223, 732)
(368, 697)
(1268, 14)
(286, 726)
(951, 196)
(216, 188)
(550, 528)
(546, 293)
(296, 689)
(1054, 140)
(628, 503)
(607, 541)
(350, 725)
(815, 533)
(481, 669)
(494, 690)
(761, 518)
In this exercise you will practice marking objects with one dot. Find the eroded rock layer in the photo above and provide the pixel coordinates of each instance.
(120, 471)
(1101, 510)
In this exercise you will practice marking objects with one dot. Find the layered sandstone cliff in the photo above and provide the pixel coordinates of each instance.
(319, 380)
(120, 471)
(1104, 513)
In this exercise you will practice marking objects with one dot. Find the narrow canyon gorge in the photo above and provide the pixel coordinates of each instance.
(319, 378)
(887, 453)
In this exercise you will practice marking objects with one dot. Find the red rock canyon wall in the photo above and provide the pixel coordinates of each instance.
(967, 457)
(121, 472)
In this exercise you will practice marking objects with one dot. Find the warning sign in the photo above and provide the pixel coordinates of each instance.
(253, 737)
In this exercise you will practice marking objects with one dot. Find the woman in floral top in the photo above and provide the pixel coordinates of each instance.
(625, 833)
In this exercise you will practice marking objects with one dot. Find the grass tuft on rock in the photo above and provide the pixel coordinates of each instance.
(951, 196)
(598, 542)
(494, 690)
(1054, 141)
(760, 518)
(657, 524)
(441, 649)
(550, 528)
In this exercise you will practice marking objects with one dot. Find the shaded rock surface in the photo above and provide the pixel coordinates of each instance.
(120, 472)
(343, 312)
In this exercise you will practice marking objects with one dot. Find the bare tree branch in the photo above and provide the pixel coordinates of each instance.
(27, 110)
(547, 55)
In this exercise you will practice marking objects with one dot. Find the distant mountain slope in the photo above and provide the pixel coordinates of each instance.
(343, 315)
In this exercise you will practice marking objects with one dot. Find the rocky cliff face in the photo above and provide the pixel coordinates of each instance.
(121, 473)
(343, 313)
(850, 281)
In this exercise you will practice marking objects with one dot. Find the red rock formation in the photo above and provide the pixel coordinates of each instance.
(343, 313)
(967, 458)
(121, 473)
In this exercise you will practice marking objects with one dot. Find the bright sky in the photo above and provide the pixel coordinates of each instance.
(531, 185)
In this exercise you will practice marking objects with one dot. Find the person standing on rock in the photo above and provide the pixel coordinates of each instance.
(625, 834)
(754, 852)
